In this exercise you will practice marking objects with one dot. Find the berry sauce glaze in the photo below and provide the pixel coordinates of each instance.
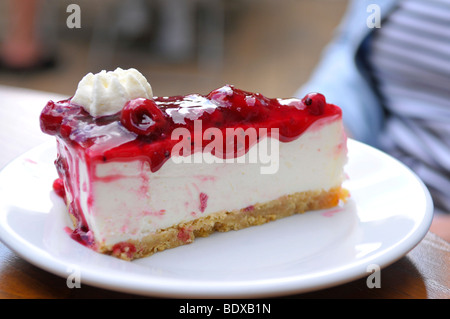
(143, 129)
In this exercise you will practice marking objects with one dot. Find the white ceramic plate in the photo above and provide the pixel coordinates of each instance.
(389, 213)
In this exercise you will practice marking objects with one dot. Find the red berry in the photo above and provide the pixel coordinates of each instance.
(56, 117)
(142, 116)
(223, 96)
(244, 104)
(58, 187)
(124, 250)
(65, 129)
(315, 103)
(51, 118)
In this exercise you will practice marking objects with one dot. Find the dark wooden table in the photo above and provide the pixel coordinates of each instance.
(424, 273)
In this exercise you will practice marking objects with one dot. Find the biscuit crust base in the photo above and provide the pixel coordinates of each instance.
(258, 214)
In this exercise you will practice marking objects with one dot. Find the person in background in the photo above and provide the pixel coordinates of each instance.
(392, 81)
(22, 48)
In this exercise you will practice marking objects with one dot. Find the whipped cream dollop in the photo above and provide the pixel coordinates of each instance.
(106, 92)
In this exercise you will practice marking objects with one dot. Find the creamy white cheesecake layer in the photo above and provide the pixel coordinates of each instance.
(126, 200)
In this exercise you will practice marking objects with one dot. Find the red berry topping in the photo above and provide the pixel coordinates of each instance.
(244, 105)
(52, 116)
(56, 115)
(142, 116)
(50, 120)
(58, 187)
(154, 121)
(124, 250)
(223, 96)
(66, 128)
(84, 236)
(315, 103)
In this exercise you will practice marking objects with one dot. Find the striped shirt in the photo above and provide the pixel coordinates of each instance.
(410, 60)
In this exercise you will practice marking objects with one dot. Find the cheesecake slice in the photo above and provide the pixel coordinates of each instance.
(142, 173)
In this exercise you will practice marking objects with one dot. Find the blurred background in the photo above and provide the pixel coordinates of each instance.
(181, 46)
